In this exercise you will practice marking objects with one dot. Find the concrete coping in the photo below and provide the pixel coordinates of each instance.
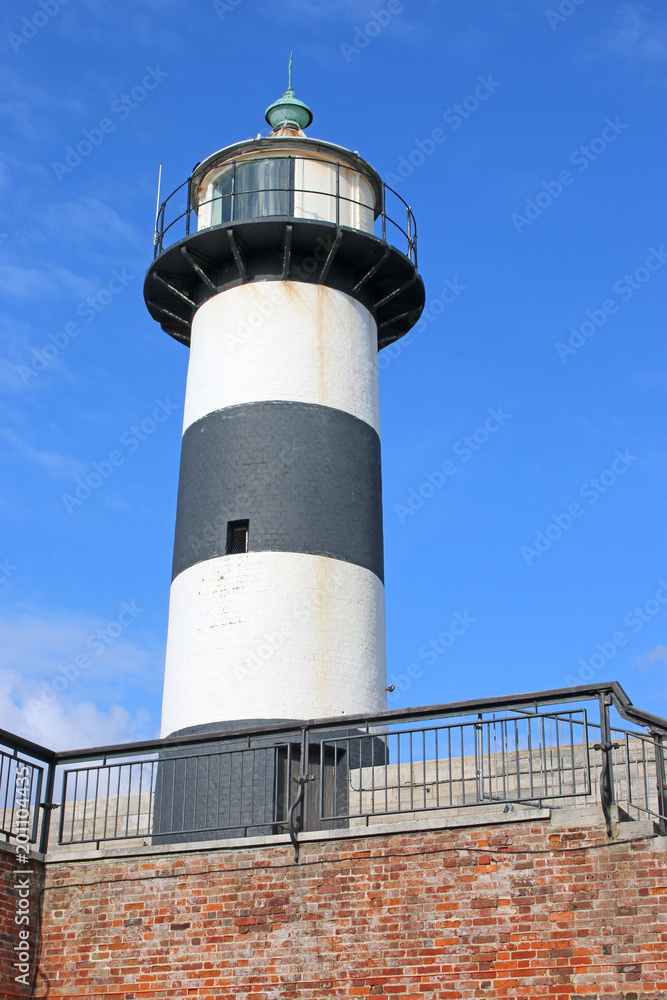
(575, 817)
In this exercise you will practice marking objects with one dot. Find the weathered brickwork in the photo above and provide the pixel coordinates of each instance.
(7, 933)
(27, 878)
(521, 911)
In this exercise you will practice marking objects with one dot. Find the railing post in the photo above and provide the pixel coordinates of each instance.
(606, 773)
(384, 213)
(232, 195)
(479, 756)
(188, 210)
(409, 230)
(661, 779)
(291, 181)
(337, 194)
(47, 807)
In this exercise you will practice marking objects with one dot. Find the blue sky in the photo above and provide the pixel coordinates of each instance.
(523, 420)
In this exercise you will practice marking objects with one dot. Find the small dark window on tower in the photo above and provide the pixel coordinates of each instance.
(237, 537)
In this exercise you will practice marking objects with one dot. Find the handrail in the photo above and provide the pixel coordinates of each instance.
(350, 731)
(27, 747)
(409, 231)
(556, 696)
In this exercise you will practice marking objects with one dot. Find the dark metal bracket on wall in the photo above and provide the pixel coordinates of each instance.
(606, 791)
(295, 824)
(330, 256)
(237, 248)
(190, 257)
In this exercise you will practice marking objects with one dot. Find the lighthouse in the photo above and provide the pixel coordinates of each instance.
(283, 267)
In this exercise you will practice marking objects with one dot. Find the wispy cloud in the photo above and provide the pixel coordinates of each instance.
(649, 661)
(37, 643)
(67, 726)
(316, 10)
(51, 462)
(39, 282)
(638, 35)
(33, 111)
(5, 180)
(147, 23)
(46, 698)
(89, 222)
(15, 338)
(650, 382)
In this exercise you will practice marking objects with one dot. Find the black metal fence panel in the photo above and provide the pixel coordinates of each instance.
(20, 793)
(541, 750)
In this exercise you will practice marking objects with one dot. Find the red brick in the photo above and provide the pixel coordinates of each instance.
(357, 919)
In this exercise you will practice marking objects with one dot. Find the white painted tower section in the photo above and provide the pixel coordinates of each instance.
(273, 635)
(267, 635)
(283, 340)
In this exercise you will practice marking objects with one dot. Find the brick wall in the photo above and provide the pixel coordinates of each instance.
(13, 877)
(521, 910)
(7, 934)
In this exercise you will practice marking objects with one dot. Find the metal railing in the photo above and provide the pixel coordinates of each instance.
(549, 749)
(179, 217)
(517, 758)
(234, 790)
(20, 795)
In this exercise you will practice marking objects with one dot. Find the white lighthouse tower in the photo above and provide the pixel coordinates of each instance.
(282, 277)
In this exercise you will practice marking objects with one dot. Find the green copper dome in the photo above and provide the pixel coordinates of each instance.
(289, 110)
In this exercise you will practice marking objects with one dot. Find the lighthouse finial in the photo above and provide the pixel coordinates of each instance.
(289, 111)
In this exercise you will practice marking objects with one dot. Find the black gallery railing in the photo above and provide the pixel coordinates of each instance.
(177, 217)
(549, 749)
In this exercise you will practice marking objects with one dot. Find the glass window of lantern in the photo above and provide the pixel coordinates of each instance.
(263, 187)
(221, 198)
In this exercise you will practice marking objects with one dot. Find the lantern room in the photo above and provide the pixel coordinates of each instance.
(295, 177)
(285, 207)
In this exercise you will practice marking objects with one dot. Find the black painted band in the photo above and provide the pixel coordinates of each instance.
(306, 477)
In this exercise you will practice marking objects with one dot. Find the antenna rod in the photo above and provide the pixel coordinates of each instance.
(157, 206)
(289, 72)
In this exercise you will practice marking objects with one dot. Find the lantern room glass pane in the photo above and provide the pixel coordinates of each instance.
(261, 188)
(221, 203)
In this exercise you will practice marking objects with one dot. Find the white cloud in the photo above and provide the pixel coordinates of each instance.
(637, 36)
(47, 698)
(33, 111)
(147, 23)
(649, 661)
(65, 725)
(37, 643)
(88, 221)
(316, 10)
(15, 338)
(651, 382)
(52, 462)
(35, 282)
(5, 180)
